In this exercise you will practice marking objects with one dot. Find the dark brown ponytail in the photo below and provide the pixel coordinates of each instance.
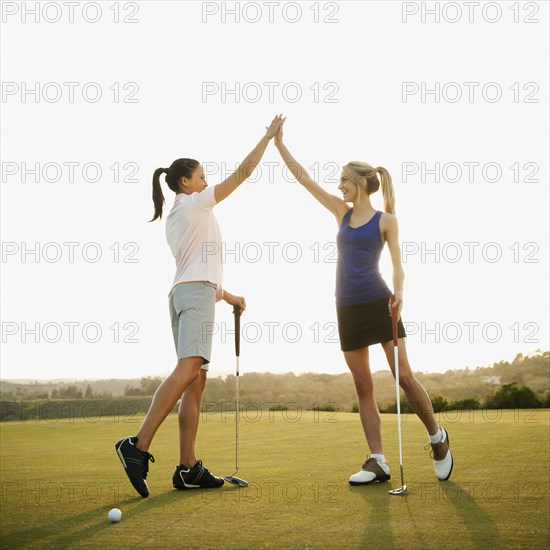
(158, 197)
(180, 168)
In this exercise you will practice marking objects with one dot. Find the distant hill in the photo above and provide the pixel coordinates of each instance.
(311, 389)
(113, 386)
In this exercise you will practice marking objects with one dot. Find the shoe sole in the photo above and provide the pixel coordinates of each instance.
(121, 457)
(381, 479)
(184, 487)
(452, 459)
(197, 487)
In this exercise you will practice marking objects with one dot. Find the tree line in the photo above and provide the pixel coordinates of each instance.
(508, 396)
(523, 382)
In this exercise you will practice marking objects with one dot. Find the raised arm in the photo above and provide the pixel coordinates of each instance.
(334, 204)
(247, 166)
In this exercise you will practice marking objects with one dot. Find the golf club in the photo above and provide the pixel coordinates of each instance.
(232, 479)
(394, 319)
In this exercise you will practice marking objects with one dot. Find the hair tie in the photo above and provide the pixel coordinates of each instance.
(166, 170)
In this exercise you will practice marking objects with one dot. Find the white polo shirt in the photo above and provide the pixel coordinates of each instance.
(195, 239)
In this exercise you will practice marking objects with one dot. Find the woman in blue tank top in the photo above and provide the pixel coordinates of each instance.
(363, 303)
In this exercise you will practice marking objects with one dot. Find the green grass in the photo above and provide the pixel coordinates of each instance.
(60, 478)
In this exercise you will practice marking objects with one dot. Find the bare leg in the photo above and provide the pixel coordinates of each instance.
(414, 390)
(358, 363)
(166, 397)
(188, 418)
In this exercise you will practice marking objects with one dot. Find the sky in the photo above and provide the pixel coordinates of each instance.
(453, 102)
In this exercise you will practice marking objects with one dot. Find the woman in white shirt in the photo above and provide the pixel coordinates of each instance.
(195, 240)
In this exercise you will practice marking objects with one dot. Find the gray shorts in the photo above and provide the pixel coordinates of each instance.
(192, 308)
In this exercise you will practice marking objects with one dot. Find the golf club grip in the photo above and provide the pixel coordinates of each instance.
(394, 320)
(237, 314)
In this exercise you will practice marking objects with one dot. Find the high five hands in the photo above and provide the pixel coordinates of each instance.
(272, 130)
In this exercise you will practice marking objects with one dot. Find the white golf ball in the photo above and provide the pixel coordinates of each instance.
(114, 515)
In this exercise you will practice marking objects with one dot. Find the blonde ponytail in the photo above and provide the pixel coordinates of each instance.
(388, 192)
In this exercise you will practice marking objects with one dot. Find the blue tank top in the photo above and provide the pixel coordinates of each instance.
(358, 279)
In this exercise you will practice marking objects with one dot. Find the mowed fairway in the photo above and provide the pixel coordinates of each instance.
(60, 478)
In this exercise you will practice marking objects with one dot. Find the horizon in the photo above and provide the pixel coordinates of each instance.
(535, 353)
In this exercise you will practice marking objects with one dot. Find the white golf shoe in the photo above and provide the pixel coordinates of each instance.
(371, 471)
(442, 457)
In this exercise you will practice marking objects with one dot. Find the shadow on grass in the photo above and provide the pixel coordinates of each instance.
(483, 530)
(383, 514)
(78, 528)
(378, 524)
(419, 541)
(380, 515)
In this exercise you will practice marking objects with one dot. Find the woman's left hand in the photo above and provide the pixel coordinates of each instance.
(398, 303)
(235, 301)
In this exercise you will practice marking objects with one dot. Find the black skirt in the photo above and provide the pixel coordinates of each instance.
(361, 325)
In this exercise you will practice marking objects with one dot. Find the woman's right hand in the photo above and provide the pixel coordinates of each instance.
(273, 128)
(279, 135)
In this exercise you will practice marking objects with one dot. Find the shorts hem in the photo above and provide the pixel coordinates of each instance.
(205, 361)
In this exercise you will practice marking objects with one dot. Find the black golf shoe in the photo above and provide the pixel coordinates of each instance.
(197, 477)
(135, 462)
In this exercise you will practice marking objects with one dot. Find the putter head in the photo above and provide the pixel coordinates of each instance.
(400, 491)
(236, 481)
